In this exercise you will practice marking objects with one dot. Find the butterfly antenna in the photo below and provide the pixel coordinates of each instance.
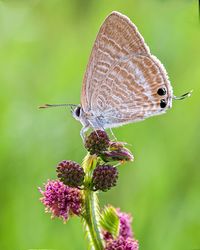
(188, 94)
(56, 105)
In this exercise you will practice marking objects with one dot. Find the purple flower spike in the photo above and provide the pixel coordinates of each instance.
(125, 224)
(97, 142)
(104, 177)
(122, 244)
(70, 173)
(60, 200)
(125, 230)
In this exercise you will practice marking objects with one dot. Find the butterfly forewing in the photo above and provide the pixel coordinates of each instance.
(117, 38)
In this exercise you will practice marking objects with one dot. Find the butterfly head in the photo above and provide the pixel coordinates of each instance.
(77, 112)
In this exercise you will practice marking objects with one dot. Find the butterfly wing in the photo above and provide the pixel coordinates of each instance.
(129, 91)
(122, 77)
(118, 38)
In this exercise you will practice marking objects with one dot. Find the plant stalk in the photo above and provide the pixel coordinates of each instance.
(91, 215)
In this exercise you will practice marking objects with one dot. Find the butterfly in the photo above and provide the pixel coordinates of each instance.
(123, 82)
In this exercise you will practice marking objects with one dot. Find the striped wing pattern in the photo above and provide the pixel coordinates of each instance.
(122, 77)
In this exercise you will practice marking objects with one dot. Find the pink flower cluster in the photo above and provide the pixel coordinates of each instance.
(122, 244)
(60, 200)
(125, 240)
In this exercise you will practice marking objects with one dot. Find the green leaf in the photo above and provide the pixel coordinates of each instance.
(109, 221)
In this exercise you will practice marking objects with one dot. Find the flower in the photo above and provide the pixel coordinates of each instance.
(125, 230)
(125, 224)
(122, 244)
(61, 200)
(70, 173)
(117, 152)
(122, 154)
(104, 177)
(97, 142)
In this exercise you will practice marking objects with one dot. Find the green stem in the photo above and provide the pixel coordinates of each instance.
(91, 215)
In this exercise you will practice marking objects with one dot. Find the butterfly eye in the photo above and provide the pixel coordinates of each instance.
(163, 103)
(161, 91)
(78, 111)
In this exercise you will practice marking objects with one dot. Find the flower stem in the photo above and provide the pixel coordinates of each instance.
(91, 215)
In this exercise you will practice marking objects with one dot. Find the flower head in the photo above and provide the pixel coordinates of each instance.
(60, 200)
(125, 224)
(117, 152)
(122, 154)
(70, 173)
(97, 142)
(104, 177)
(122, 244)
(125, 230)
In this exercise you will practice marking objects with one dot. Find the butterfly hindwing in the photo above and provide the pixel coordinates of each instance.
(129, 91)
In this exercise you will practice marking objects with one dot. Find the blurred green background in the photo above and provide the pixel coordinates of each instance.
(44, 49)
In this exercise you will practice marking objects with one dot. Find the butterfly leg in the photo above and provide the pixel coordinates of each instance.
(95, 128)
(99, 125)
(83, 131)
(114, 137)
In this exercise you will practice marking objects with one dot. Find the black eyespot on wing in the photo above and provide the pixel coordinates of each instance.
(78, 111)
(161, 91)
(163, 103)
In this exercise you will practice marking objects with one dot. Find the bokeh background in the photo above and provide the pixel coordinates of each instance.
(44, 49)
